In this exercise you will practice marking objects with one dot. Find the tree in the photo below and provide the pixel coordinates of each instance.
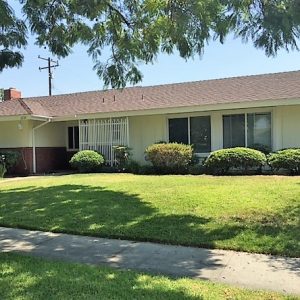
(136, 31)
(12, 35)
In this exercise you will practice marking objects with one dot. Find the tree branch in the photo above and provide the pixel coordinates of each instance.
(112, 8)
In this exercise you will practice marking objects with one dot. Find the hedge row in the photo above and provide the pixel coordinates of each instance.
(178, 159)
(174, 158)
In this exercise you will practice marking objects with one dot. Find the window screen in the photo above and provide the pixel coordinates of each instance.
(201, 134)
(234, 131)
(178, 130)
(73, 137)
(259, 129)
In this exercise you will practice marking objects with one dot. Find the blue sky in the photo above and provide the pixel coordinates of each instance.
(75, 73)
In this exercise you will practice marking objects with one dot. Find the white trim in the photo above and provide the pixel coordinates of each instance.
(33, 144)
(127, 131)
(246, 129)
(189, 130)
(14, 118)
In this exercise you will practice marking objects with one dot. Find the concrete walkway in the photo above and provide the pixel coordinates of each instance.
(237, 268)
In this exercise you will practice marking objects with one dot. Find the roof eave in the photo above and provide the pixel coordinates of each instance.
(182, 109)
(40, 118)
(14, 118)
(24, 117)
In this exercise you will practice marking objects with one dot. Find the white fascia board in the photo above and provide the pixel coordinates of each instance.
(24, 117)
(14, 118)
(183, 109)
(40, 118)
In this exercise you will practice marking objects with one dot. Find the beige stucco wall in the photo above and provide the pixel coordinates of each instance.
(50, 135)
(14, 134)
(289, 117)
(144, 131)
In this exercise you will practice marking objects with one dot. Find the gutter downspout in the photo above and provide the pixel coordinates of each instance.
(33, 144)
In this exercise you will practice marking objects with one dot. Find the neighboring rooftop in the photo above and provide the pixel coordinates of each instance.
(277, 86)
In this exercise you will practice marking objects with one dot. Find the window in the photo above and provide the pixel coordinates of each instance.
(259, 129)
(234, 131)
(246, 130)
(178, 130)
(201, 134)
(73, 138)
(194, 130)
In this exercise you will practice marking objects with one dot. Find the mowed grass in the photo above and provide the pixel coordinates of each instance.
(33, 278)
(254, 213)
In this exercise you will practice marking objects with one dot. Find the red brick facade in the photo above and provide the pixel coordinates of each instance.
(48, 159)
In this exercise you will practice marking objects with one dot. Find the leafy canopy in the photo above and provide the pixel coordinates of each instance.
(136, 31)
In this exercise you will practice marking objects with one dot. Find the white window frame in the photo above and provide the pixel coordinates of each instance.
(67, 134)
(246, 124)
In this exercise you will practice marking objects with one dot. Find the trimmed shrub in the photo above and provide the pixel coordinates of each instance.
(86, 161)
(11, 158)
(196, 169)
(147, 170)
(288, 159)
(122, 156)
(220, 162)
(262, 148)
(2, 166)
(132, 166)
(169, 158)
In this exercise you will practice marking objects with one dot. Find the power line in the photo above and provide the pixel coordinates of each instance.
(49, 67)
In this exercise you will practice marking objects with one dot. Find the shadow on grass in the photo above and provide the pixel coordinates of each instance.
(24, 277)
(97, 211)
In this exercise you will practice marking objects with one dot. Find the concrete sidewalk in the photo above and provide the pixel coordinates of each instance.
(253, 271)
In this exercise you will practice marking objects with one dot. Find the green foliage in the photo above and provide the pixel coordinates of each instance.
(12, 36)
(122, 156)
(271, 25)
(2, 166)
(262, 148)
(8, 159)
(86, 161)
(147, 170)
(11, 158)
(137, 31)
(170, 158)
(133, 166)
(220, 162)
(196, 169)
(27, 278)
(288, 159)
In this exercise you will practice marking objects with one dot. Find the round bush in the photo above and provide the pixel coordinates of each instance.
(170, 158)
(221, 161)
(86, 161)
(288, 159)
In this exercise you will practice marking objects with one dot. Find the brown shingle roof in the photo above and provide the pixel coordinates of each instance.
(220, 91)
(13, 108)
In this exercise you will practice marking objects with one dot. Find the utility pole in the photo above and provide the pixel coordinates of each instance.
(49, 67)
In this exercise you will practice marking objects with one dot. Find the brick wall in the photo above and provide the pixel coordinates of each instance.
(48, 159)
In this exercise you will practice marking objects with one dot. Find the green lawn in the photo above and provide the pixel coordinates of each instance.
(32, 278)
(254, 213)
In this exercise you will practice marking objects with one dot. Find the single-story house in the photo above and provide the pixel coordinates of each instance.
(210, 114)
